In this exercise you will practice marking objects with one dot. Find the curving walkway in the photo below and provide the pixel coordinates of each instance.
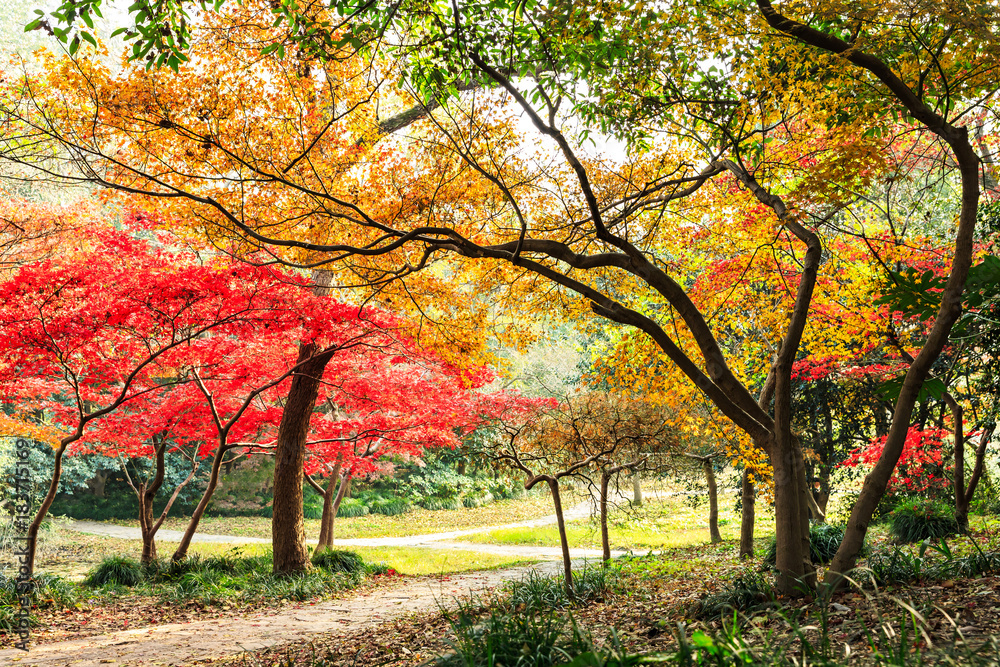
(187, 643)
(445, 540)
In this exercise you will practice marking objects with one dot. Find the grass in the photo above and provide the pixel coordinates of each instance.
(71, 555)
(420, 561)
(417, 522)
(663, 523)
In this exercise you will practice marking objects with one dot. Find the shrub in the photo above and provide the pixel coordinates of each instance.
(434, 503)
(338, 561)
(350, 507)
(894, 566)
(525, 640)
(537, 591)
(390, 506)
(312, 511)
(824, 540)
(916, 520)
(748, 589)
(115, 570)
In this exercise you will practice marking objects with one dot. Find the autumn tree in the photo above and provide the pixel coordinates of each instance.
(562, 217)
(86, 335)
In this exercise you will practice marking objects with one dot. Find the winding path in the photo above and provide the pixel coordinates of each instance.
(446, 540)
(186, 643)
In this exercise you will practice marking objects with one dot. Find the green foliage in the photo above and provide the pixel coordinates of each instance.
(115, 570)
(338, 561)
(824, 540)
(916, 520)
(505, 638)
(350, 507)
(390, 506)
(536, 591)
(434, 503)
(748, 589)
(49, 592)
(900, 565)
(229, 577)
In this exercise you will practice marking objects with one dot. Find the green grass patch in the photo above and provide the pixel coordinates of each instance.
(671, 522)
(417, 521)
(419, 560)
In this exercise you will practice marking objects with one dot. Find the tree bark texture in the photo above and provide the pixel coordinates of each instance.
(747, 516)
(288, 534)
(180, 553)
(713, 500)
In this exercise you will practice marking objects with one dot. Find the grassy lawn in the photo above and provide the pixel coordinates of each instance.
(662, 523)
(417, 522)
(69, 554)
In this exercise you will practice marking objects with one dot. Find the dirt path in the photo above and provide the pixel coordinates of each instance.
(185, 643)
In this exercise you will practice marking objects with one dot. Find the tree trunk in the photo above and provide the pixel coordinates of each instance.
(791, 521)
(98, 483)
(180, 553)
(331, 504)
(636, 490)
(713, 500)
(288, 534)
(563, 539)
(149, 554)
(964, 493)
(747, 516)
(605, 539)
(32, 537)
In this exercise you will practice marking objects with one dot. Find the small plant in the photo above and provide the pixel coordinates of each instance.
(536, 591)
(916, 520)
(435, 503)
(115, 570)
(894, 566)
(501, 638)
(379, 569)
(824, 540)
(750, 588)
(390, 506)
(351, 507)
(335, 560)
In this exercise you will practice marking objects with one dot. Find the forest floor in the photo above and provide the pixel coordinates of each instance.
(201, 639)
(392, 620)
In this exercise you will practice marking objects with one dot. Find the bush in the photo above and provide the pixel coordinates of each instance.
(434, 503)
(916, 520)
(350, 507)
(115, 570)
(824, 540)
(338, 561)
(390, 506)
(537, 591)
(894, 566)
(748, 589)
(525, 640)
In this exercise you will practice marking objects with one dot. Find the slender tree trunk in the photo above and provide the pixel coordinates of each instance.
(747, 516)
(180, 553)
(288, 534)
(713, 500)
(605, 539)
(332, 497)
(962, 501)
(636, 490)
(563, 539)
(149, 554)
(43, 509)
